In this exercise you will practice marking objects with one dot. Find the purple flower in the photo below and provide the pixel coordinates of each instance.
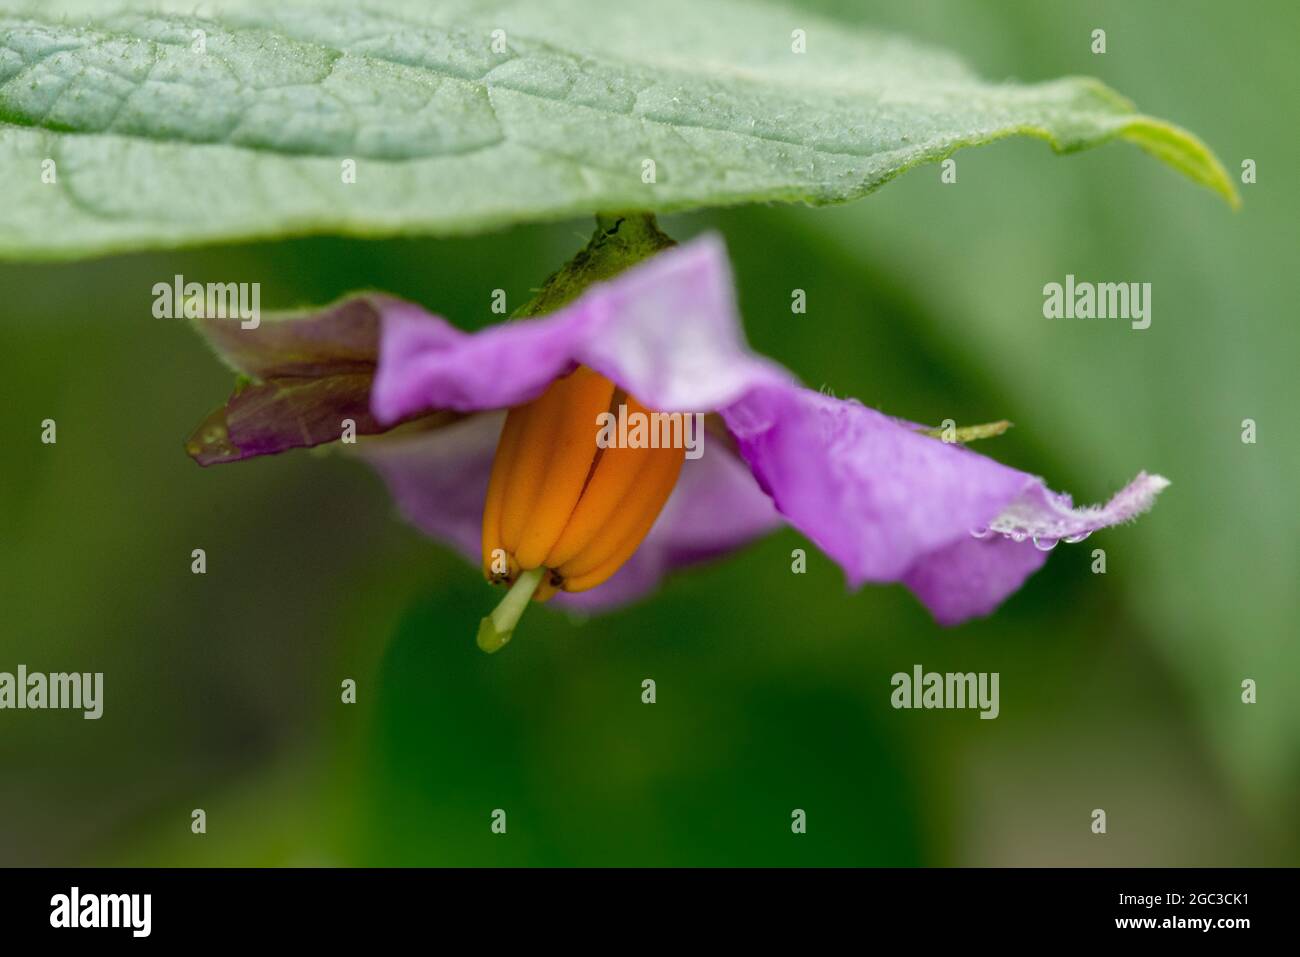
(886, 501)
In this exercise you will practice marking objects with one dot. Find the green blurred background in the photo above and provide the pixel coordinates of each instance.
(1119, 691)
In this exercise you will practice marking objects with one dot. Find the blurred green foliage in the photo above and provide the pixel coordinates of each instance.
(1119, 691)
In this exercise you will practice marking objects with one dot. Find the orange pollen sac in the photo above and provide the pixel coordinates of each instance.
(559, 502)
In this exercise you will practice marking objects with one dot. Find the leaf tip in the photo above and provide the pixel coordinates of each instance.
(1183, 151)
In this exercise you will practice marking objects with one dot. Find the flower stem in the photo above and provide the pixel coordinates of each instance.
(621, 241)
(495, 630)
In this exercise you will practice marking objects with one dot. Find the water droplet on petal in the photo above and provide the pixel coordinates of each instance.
(980, 532)
(1045, 544)
(1018, 536)
(1071, 539)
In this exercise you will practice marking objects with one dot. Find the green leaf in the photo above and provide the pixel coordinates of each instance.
(168, 129)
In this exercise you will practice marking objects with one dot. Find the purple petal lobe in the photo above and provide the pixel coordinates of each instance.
(871, 493)
(1049, 516)
(971, 577)
(890, 504)
(666, 331)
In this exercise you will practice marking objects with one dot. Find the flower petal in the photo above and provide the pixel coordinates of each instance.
(666, 331)
(1050, 517)
(873, 494)
(891, 504)
(971, 577)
